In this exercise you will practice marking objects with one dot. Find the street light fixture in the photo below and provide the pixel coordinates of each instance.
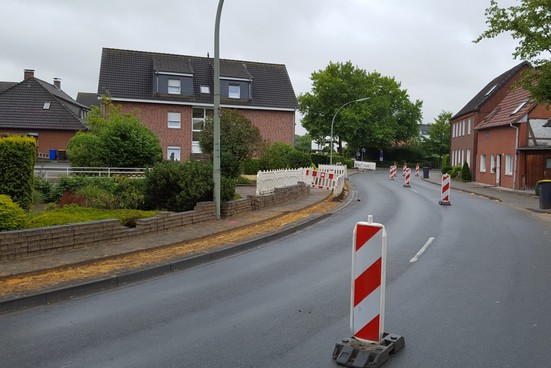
(216, 133)
(333, 122)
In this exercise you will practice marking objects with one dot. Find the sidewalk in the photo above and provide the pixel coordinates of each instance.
(526, 200)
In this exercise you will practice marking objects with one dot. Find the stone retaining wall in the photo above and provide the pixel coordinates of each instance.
(49, 240)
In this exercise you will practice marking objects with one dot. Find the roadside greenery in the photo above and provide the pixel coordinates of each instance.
(12, 217)
(114, 139)
(528, 23)
(17, 159)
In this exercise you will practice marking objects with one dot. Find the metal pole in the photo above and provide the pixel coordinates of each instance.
(333, 122)
(216, 151)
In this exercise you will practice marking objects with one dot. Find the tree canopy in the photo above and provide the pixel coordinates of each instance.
(530, 24)
(386, 118)
(239, 140)
(114, 139)
(439, 132)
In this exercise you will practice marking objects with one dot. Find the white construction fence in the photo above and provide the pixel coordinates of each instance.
(363, 165)
(329, 177)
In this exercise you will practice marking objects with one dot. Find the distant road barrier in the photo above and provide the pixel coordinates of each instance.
(363, 165)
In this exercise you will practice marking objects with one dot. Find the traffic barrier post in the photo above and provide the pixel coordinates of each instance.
(369, 346)
(417, 169)
(445, 191)
(392, 173)
(407, 178)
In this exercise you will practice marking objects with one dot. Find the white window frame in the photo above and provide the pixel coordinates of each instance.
(469, 127)
(483, 163)
(174, 87)
(468, 158)
(234, 91)
(205, 89)
(176, 150)
(493, 164)
(195, 147)
(462, 128)
(174, 120)
(509, 165)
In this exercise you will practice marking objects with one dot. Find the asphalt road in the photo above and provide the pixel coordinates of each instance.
(479, 296)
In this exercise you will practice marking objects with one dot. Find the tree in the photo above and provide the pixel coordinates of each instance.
(114, 139)
(439, 132)
(303, 143)
(388, 116)
(529, 24)
(238, 137)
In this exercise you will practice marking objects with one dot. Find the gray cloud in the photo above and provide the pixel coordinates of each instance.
(426, 44)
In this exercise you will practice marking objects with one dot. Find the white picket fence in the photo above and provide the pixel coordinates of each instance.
(267, 181)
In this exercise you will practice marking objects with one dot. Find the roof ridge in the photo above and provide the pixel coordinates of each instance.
(58, 98)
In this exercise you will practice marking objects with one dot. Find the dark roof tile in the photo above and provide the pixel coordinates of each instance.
(127, 74)
(490, 90)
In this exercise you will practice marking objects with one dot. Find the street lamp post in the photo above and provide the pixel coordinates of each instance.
(333, 122)
(216, 133)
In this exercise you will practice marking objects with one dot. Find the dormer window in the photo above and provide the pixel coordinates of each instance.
(174, 87)
(205, 89)
(46, 105)
(234, 91)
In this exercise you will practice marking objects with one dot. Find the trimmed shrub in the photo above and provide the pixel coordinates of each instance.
(465, 173)
(12, 217)
(251, 166)
(43, 187)
(229, 165)
(178, 186)
(17, 160)
(96, 197)
(298, 159)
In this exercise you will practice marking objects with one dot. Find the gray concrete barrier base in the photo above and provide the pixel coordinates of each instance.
(357, 354)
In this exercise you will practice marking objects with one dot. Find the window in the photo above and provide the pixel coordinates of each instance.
(482, 163)
(492, 163)
(468, 157)
(46, 106)
(173, 153)
(174, 86)
(508, 164)
(205, 89)
(234, 91)
(174, 120)
(519, 107)
(197, 125)
(463, 128)
(453, 130)
(469, 126)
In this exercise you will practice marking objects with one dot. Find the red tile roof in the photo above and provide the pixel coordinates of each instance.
(510, 110)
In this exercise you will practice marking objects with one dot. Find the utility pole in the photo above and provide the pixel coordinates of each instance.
(216, 150)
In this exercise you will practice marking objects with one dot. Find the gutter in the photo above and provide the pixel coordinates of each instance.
(516, 157)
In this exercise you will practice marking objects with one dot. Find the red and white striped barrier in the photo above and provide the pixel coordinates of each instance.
(392, 173)
(404, 168)
(445, 192)
(368, 281)
(407, 178)
(321, 180)
(417, 169)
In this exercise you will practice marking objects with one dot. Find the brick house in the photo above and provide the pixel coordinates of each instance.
(514, 144)
(40, 109)
(173, 95)
(463, 135)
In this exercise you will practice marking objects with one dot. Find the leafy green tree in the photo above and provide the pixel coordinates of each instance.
(114, 138)
(388, 116)
(438, 143)
(238, 136)
(279, 155)
(529, 24)
(303, 143)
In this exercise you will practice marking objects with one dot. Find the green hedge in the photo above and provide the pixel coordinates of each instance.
(12, 217)
(17, 160)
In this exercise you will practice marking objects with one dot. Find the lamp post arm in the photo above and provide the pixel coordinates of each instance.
(333, 123)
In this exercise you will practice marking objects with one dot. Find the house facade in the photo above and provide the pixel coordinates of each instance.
(464, 136)
(514, 143)
(41, 110)
(173, 95)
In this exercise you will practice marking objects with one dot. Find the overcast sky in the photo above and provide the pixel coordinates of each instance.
(426, 45)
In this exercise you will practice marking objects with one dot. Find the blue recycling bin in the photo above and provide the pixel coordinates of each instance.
(53, 154)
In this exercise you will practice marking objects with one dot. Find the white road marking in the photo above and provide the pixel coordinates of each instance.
(422, 250)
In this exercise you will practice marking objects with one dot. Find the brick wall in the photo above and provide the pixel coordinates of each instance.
(47, 139)
(49, 240)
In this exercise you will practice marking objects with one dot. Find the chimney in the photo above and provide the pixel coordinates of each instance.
(28, 73)
(57, 83)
